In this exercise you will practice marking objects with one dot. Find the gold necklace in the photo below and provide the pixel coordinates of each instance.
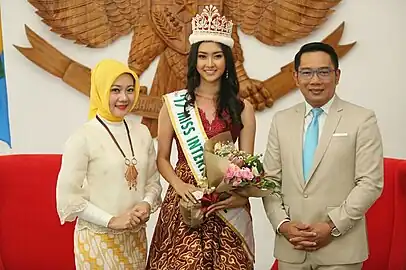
(131, 173)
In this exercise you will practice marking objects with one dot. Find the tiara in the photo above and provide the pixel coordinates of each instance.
(210, 26)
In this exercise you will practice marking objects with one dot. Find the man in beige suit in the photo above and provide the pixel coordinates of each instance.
(327, 154)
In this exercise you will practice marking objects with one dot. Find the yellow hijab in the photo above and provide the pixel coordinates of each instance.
(103, 76)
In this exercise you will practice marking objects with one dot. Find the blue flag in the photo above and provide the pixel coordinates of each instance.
(4, 119)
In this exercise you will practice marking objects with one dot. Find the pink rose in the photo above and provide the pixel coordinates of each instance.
(232, 171)
(246, 174)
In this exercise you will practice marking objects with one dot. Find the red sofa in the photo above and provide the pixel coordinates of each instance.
(31, 236)
(386, 221)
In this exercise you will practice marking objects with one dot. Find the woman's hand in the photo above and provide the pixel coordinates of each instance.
(185, 191)
(125, 221)
(142, 211)
(234, 201)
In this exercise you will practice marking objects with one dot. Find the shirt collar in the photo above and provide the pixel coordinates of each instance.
(326, 107)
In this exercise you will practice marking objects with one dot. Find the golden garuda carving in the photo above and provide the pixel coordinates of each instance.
(162, 27)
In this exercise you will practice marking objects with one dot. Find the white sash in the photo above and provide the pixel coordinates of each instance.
(189, 130)
(240, 221)
(192, 136)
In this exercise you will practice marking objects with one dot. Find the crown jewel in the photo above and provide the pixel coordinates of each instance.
(210, 26)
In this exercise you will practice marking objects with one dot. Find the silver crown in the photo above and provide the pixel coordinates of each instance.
(211, 26)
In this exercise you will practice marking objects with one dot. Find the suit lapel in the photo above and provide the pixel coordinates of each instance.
(297, 128)
(332, 120)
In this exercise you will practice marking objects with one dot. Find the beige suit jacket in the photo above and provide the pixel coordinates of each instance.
(346, 179)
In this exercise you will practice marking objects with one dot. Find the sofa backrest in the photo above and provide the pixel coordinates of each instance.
(31, 236)
(386, 221)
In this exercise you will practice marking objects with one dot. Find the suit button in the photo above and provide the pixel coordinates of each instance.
(305, 195)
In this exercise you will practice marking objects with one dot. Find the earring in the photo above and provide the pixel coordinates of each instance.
(226, 74)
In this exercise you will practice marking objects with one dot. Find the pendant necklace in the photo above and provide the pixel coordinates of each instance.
(131, 171)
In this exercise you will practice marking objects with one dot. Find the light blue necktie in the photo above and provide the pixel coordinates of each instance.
(310, 142)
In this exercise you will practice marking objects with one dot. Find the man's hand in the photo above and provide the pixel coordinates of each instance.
(321, 239)
(298, 234)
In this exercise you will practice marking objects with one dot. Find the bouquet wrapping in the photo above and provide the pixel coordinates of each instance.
(227, 170)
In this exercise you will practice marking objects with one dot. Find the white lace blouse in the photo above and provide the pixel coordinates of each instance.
(91, 183)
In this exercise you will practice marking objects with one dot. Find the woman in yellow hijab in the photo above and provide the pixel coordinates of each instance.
(108, 180)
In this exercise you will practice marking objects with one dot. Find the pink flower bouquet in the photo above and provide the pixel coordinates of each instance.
(229, 169)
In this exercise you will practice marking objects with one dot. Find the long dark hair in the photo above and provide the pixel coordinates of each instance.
(228, 100)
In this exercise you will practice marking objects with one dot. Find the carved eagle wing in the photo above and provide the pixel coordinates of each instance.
(94, 23)
(277, 22)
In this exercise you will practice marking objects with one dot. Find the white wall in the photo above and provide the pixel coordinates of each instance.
(44, 111)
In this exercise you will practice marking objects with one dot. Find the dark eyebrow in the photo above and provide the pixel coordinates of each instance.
(314, 68)
(213, 52)
(115, 85)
